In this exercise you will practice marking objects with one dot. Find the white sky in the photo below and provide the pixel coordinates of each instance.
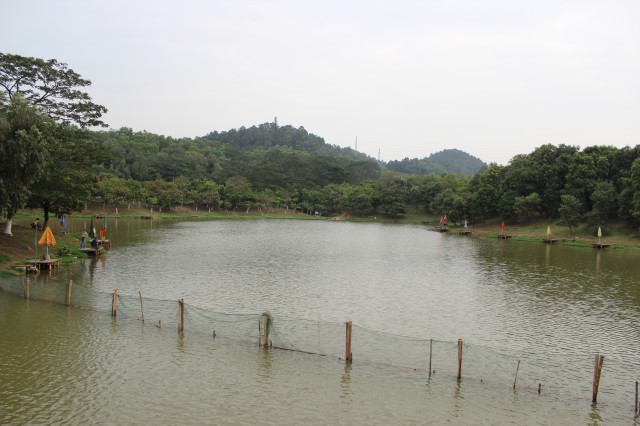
(494, 78)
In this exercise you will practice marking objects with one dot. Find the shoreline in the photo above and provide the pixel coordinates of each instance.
(16, 249)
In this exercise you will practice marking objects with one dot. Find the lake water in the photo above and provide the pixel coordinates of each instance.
(407, 291)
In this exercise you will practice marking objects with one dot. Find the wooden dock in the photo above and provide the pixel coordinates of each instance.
(600, 246)
(504, 236)
(105, 243)
(465, 232)
(550, 240)
(91, 251)
(44, 263)
(27, 268)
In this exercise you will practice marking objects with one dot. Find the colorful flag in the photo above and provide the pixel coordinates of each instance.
(502, 226)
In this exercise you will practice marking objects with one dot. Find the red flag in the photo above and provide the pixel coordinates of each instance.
(442, 221)
(502, 226)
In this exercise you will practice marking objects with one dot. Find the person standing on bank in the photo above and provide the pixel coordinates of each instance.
(83, 239)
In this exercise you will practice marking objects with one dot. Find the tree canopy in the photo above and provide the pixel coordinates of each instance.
(51, 86)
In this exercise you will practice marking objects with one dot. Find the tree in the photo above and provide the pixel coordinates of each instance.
(528, 207)
(570, 211)
(24, 139)
(68, 180)
(603, 200)
(237, 190)
(52, 87)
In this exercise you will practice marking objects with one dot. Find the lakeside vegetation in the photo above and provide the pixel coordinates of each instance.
(52, 163)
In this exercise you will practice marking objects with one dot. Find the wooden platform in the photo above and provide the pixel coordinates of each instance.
(550, 240)
(27, 268)
(105, 243)
(45, 263)
(464, 232)
(600, 246)
(91, 251)
(504, 236)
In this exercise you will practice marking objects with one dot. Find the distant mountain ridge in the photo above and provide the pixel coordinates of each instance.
(445, 161)
(269, 135)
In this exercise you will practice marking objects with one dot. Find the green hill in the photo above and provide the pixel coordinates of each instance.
(446, 161)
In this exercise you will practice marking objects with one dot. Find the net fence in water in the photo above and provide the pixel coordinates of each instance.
(508, 368)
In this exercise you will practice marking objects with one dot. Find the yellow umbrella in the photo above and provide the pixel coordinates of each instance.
(47, 239)
(599, 234)
(548, 230)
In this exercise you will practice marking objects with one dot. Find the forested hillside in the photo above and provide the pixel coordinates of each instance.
(447, 161)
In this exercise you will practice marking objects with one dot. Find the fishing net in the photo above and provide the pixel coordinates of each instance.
(509, 369)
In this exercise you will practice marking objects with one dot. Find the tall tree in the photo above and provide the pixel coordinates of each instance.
(51, 86)
(570, 211)
(24, 139)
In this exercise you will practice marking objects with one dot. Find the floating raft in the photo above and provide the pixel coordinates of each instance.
(600, 246)
(549, 240)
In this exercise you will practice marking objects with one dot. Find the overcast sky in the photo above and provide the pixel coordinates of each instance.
(494, 78)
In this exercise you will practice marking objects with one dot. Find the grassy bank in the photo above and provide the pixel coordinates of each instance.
(20, 247)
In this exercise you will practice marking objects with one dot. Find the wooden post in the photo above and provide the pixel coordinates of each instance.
(68, 299)
(141, 310)
(459, 359)
(265, 330)
(27, 292)
(597, 372)
(348, 356)
(516, 378)
(181, 316)
(430, 353)
(539, 388)
(636, 413)
(114, 304)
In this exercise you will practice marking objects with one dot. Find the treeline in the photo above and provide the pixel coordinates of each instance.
(49, 160)
(268, 166)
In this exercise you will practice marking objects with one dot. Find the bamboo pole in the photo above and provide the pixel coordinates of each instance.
(68, 299)
(636, 412)
(459, 359)
(27, 292)
(516, 377)
(114, 304)
(597, 372)
(348, 356)
(181, 316)
(430, 353)
(539, 388)
(265, 329)
(141, 310)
